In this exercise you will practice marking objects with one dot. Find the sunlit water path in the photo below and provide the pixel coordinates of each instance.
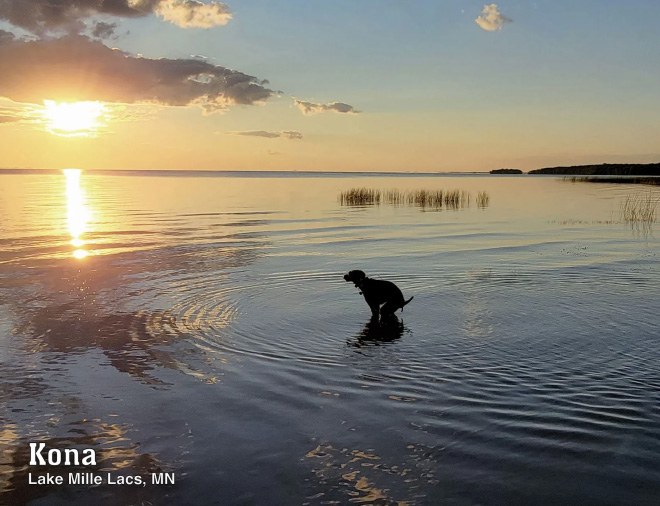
(201, 325)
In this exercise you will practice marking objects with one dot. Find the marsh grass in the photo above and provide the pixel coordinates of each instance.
(638, 211)
(360, 197)
(433, 199)
(640, 208)
(395, 197)
(426, 198)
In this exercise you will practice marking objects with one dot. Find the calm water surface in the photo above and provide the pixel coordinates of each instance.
(201, 326)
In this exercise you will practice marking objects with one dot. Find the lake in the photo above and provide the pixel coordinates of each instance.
(200, 325)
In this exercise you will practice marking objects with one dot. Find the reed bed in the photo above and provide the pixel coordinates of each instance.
(457, 198)
(425, 198)
(360, 197)
(395, 197)
(434, 199)
(640, 208)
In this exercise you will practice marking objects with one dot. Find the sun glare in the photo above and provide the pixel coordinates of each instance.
(77, 213)
(76, 119)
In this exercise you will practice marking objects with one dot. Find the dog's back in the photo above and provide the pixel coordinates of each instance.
(381, 291)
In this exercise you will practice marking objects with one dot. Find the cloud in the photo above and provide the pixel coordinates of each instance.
(258, 133)
(311, 108)
(491, 19)
(33, 114)
(75, 68)
(194, 14)
(44, 16)
(12, 112)
(292, 135)
(104, 30)
(6, 37)
(270, 135)
(8, 119)
(41, 16)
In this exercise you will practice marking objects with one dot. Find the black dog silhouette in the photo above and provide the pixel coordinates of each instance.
(378, 293)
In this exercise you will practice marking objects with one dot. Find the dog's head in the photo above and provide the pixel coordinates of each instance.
(356, 277)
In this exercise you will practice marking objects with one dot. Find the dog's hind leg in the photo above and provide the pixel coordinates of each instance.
(387, 310)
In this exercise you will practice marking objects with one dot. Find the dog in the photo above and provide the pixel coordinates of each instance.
(383, 297)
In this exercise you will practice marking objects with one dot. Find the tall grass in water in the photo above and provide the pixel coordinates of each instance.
(425, 198)
(456, 198)
(639, 208)
(395, 197)
(483, 199)
(453, 199)
(360, 196)
(435, 199)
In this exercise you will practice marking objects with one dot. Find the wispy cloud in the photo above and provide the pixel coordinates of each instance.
(33, 114)
(491, 19)
(8, 119)
(292, 135)
(288, 134)
(312, 108)
(75, 68)
(13, 112)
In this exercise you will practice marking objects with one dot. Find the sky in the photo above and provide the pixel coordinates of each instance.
(368, 85)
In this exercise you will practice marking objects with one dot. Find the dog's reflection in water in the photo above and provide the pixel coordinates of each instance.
(377, 332)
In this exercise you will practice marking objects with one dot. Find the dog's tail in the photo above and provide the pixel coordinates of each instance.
(406, 302)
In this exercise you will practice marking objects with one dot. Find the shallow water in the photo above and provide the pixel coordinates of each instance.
(201, 325)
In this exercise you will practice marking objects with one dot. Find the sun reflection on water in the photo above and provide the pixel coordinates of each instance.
(77, 213)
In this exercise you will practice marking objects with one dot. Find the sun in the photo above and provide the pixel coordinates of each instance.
(75, 119)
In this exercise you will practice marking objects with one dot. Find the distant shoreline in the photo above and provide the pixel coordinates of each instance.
(624, 172)
(506, 171)
(617, 180)
(605, 169)
(235, 173)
